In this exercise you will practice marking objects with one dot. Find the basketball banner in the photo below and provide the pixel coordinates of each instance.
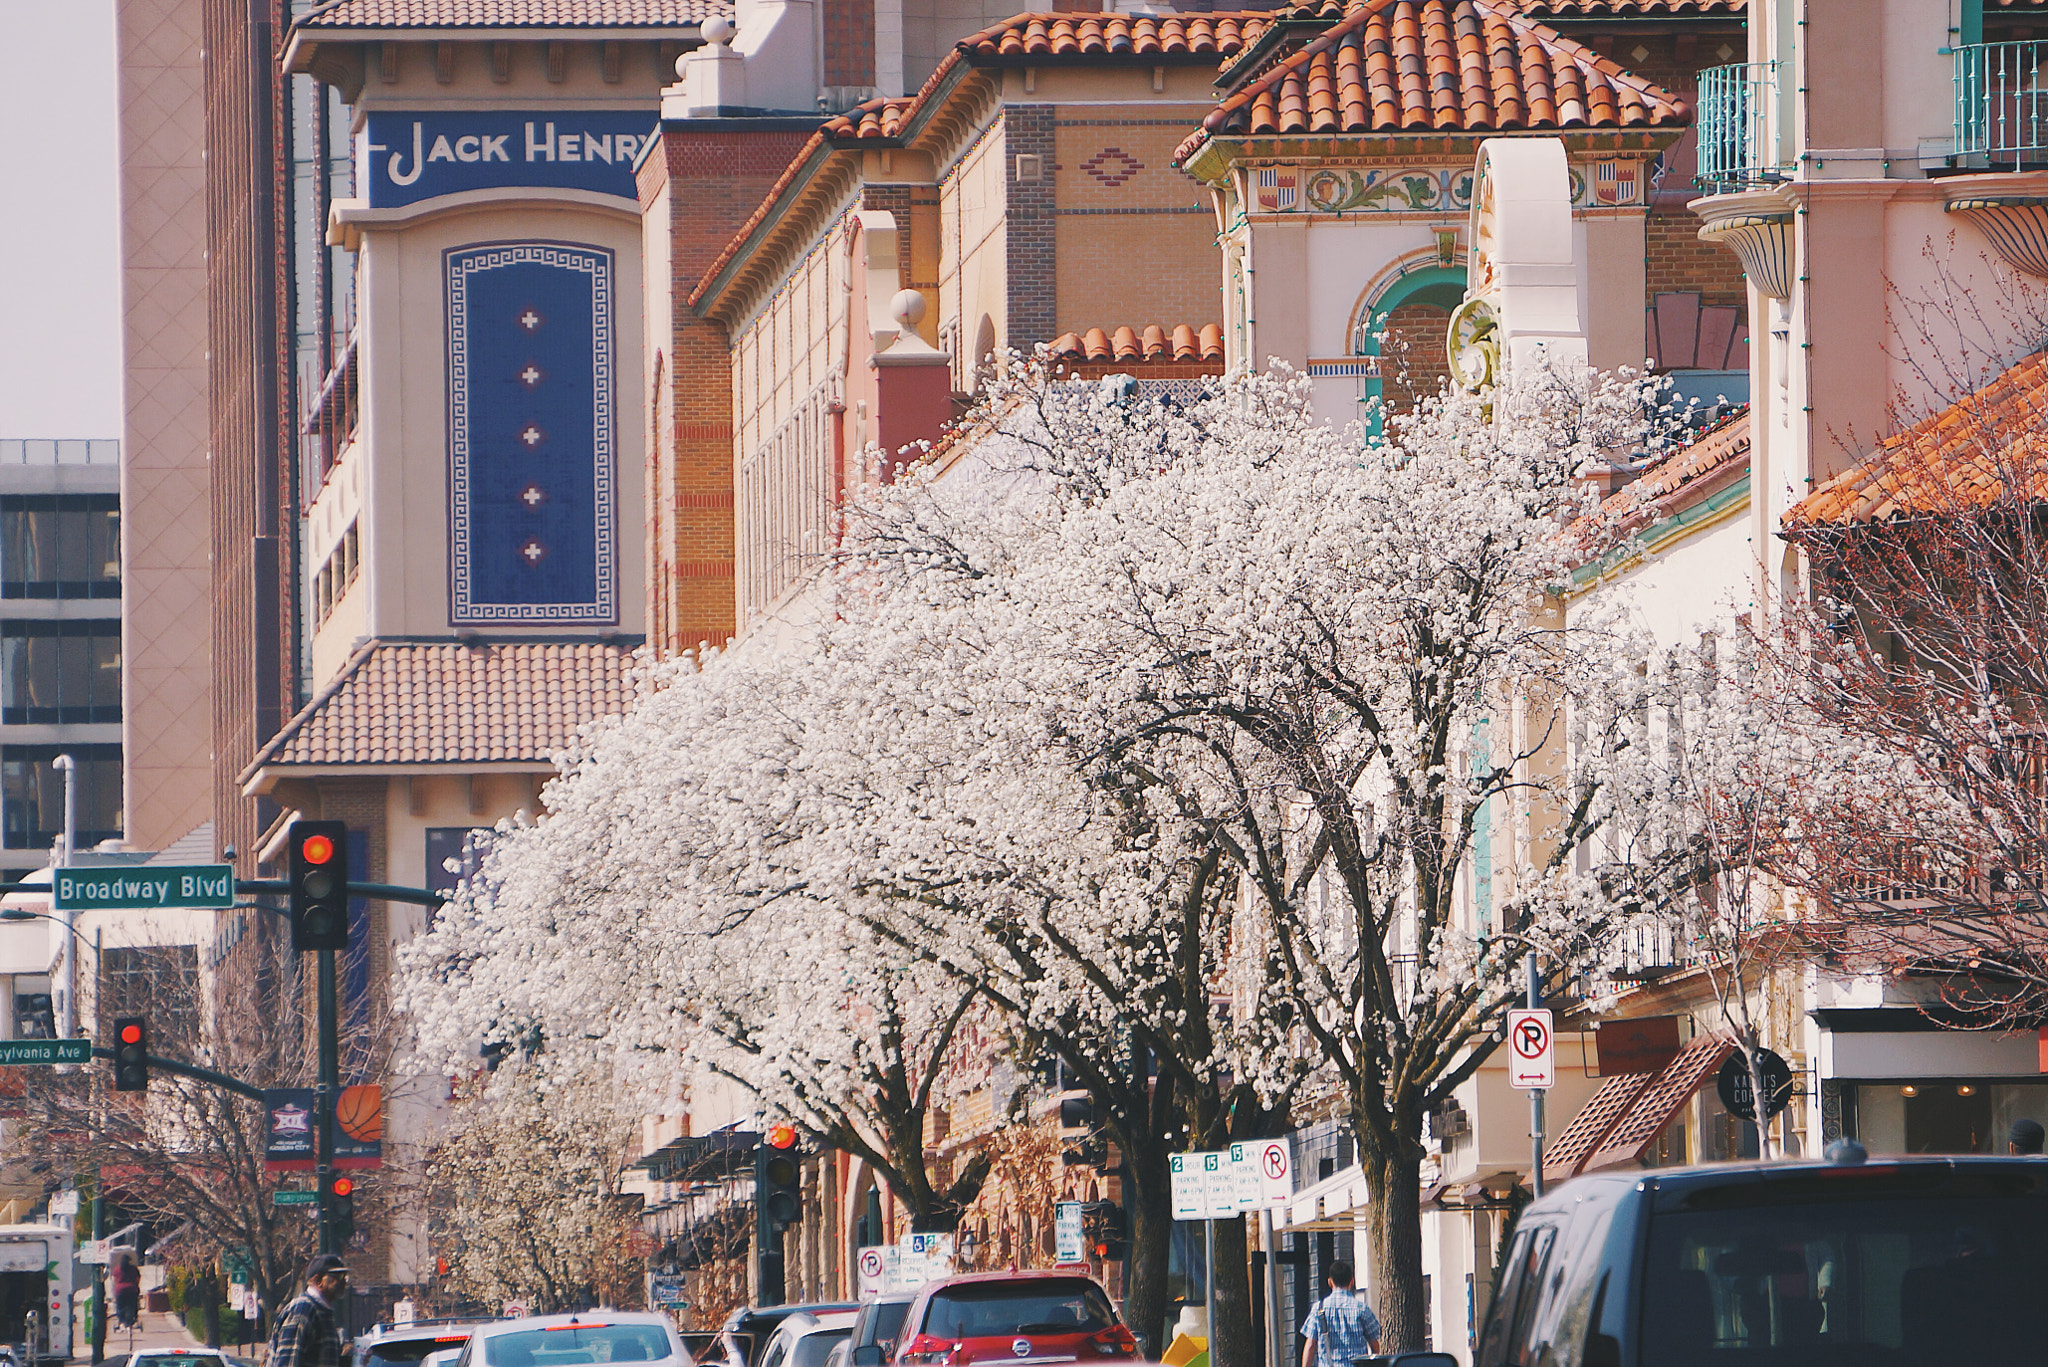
(291, 1136)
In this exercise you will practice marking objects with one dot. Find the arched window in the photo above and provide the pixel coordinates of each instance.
(1404, 322)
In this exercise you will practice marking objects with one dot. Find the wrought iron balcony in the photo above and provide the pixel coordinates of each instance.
(1737, 107)
(2001, 115)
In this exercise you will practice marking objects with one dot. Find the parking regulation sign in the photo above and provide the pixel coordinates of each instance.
(1532, 1049)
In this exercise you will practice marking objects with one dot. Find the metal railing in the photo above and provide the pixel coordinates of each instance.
(1736, 146)
(2001, 119)
(59, 451)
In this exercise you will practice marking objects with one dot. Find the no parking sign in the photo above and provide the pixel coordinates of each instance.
(1532, 1051)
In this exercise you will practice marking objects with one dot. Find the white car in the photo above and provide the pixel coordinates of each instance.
(806, 1339)
(581, 1339)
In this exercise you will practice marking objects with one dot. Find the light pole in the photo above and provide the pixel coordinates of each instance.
(68, 989)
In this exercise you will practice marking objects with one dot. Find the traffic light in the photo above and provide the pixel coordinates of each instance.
(778, 1203)
(319, 885)
(1106, 1229)
(341, 1208)
(131, 1054)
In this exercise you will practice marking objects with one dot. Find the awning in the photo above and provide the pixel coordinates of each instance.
(1658, 1104)
(1614, 1098)
(1332, 1204)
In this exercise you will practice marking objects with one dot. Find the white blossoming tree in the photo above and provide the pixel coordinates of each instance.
(1165, 729)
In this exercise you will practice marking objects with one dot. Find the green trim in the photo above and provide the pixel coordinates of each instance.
(1421, 281)
(1657, 533)
(1972, 23)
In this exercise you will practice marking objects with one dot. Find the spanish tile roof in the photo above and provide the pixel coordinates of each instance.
(1720, 446)
(354, 14)
(451, 702)
(1080, 38)
(1151, 342)
(878, 118)
(1444, 66)
(1989, 446)
(1037, 37)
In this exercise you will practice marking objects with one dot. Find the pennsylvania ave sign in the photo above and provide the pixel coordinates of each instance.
(147, 886)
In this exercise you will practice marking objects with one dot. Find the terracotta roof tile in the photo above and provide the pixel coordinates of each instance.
(448, 702)
(1040, 36)
(1152, 342)
(1720, 446)
(1969, 455)
(1631, 9)
(1110, 39)
(353, 14)
(1443, 66)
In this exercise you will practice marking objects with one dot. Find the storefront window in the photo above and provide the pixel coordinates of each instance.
(1942, 1115)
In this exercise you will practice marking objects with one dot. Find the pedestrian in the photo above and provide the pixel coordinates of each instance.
(2024, 1136)
(307, 1333)
(126, 1280)
(1342, 1328)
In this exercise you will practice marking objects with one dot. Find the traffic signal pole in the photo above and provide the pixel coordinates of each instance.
(330, 1081)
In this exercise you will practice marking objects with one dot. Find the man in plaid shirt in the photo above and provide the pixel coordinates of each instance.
(1342, 1328)
(306, 1334)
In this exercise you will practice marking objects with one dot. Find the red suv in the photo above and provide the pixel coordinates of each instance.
(1018, 1318)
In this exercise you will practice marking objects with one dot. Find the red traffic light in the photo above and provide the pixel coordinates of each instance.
(131, 1034)
(782, 1136)
(344, 1186)
(317, 849)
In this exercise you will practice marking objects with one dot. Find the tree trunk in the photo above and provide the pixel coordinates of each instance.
(1232, 1338)
(1393, 1236)
(1148, 1203)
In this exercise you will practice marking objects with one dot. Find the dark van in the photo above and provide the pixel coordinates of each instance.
(1886, 1264)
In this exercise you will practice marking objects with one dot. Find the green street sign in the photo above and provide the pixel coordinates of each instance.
(130, 887)
(295, 1198)
(45, 1051)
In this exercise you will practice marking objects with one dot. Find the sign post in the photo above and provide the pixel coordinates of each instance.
(1532, 1066)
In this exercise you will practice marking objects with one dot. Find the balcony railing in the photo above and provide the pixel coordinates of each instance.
(1737, 149)
(2001, 120)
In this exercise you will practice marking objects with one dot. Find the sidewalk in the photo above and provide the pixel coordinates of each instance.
(151, 1331)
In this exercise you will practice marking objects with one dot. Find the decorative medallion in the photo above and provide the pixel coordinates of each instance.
(1474, 345)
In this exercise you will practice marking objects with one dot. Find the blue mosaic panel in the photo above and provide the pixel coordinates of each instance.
(533, 515)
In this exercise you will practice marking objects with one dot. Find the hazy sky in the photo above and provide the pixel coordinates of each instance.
(60, 280)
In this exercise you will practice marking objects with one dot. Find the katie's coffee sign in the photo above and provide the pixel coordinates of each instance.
(402, 158)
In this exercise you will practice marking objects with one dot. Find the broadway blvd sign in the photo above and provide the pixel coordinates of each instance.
(145, 886)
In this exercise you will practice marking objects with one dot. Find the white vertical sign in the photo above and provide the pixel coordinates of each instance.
(1184, 1175)
(1532, 1051)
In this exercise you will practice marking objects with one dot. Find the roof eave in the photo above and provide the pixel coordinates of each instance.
(298, 49)
(261, 780)
(706, 299)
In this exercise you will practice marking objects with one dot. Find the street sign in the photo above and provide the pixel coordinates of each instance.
(873, 1268)
(294, 1198)
(665, 1290)
(18, 1051)
(1267, 1166)
(1739, 1095)
(129, 887)
(64, 1203)
(1532, 1052)
(1069, 1241)
(1206, 1185)
(93, 1252)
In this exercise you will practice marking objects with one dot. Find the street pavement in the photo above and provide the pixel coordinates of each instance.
(151, 1331)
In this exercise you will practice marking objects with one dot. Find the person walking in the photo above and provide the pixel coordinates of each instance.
(1342, 1328)
(307, 1333)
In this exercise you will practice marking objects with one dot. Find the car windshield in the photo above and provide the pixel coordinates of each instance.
(812, 1349)
(1038, 1306)
(569, 1344)
(175, 1360)
(885, 1318)
(1826, 1271)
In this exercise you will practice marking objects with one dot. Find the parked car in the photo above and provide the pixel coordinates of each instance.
(1908, 1261)
(753, 1325)
(403, 1345)
(1013, 1317)
(806, 1340)
(576, 1340)
(180, 1357)
(876, 1329)
(442, 1357)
